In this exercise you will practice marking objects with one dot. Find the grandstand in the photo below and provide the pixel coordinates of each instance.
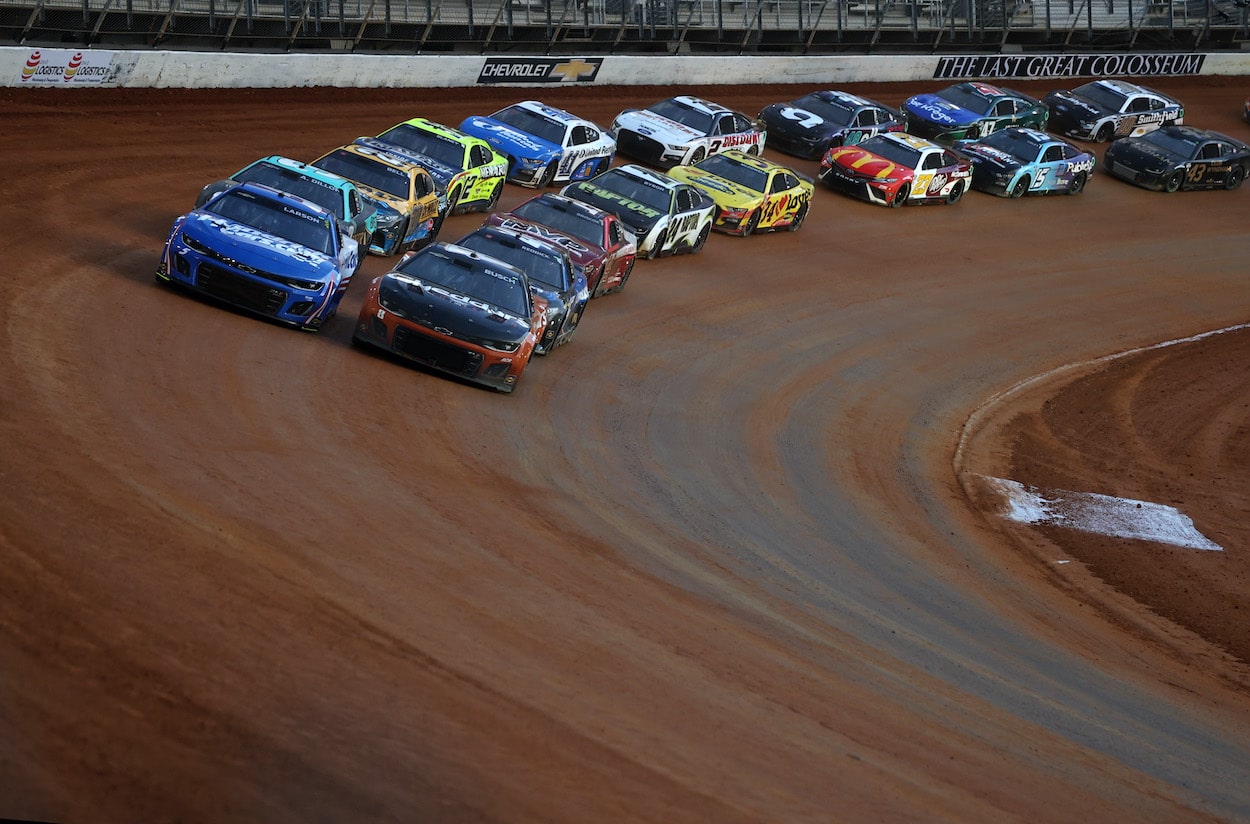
(618, 26)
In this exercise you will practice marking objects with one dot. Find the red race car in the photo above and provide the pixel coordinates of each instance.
(897, 168)
(599, 244)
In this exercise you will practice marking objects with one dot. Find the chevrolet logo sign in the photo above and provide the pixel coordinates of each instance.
(539, 70)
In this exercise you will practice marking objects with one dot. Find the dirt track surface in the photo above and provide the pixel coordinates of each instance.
(713, 561)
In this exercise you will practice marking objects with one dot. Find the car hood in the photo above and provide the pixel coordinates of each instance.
(939, 110)
(813, 126)
(981, 155)
(1078, 108)
(657, 126)
(251, 249)
(720, 189)
(448, 312)
(639, 217)
(1141, 155)
(581, 252)
(507, 139)
(441, 172)
(866, 164)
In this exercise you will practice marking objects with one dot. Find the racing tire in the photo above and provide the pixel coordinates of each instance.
(1078, 183)
(624, 277)
(1236, 176)
(698, 155)
(494, 198)
(703, 235)
(956, 193)
(1105, 133)
(900, 197)
(654, 251)
(1174, 181)
(797, 223)
(752, 222)
(548, 175)
(453, 202)
(754, 150)
(1022, 186)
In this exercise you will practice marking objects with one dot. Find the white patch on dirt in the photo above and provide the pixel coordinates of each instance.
(1099, 514)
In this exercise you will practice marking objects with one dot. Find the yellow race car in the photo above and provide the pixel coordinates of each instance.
(751, 194)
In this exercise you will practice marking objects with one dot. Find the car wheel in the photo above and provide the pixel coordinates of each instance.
(1021, 186)
(703, 235)
(654, 249)
(752, 222)
(698, 155)
(798, 219)
(754, 149)
(1235, 177)
(494, 197)
(1078, 183)
(1174, 181)
(548, 175)
(453, 201)
(900, 197)
(624, 277)
(1105, 133)
(956, 193)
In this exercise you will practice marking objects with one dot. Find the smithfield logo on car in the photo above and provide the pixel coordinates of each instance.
(540, 70)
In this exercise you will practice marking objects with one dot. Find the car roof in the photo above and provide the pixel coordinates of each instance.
(910, 140)
(754, 162)
(650, 175)
(699, 103)
(539, 107)
(389, 158)
(439, 129)
(285, 198)
(305, 169)
(570, 204)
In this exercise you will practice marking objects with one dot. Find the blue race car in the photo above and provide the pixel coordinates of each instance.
(971, 111)
(1018, 161)
(265, 251)
(544, 145)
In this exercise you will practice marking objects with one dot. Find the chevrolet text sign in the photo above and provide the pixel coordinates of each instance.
(540, 69)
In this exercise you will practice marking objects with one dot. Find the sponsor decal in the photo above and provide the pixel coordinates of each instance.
(540, 70)
(1022, 66)
(66, 67)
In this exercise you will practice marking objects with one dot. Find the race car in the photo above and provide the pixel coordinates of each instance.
(268, 252)
(551, 276)
(809, 126)
(401, 191)
(543, 144)
(970, 111)
(456, 311)
(896, 168)
(1103, 110)
(684, 130)
(597, 241)
(666, 216)
(1179, 157)
(338, 195)
(1018, 161)
(751, 194)
(468, 172)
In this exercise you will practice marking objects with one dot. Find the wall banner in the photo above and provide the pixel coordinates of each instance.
(1037, 66)
(540, 70)
(64, 67)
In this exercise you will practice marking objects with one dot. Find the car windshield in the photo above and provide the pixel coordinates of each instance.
(674, 109)
(1101, 95)
(531, 122)
(419, 141)
(479, 280)
(572, 222)
(1013, 143)
(544, 267)
(726, 167)
(275, 218)
(833, 111)
(295, 183)
(365, 171)
(892, 151)
(1175, 142)
(967, 98)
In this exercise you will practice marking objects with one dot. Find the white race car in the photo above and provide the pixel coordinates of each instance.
(683, 130)
(543, 144)
(667, 216)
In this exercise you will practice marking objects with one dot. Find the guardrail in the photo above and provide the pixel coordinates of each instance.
(620, 26)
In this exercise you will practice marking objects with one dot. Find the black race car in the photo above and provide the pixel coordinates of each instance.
(551, 276)
(1179, 157)
(815, 122)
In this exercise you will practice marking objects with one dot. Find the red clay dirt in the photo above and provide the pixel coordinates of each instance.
(715, 560)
